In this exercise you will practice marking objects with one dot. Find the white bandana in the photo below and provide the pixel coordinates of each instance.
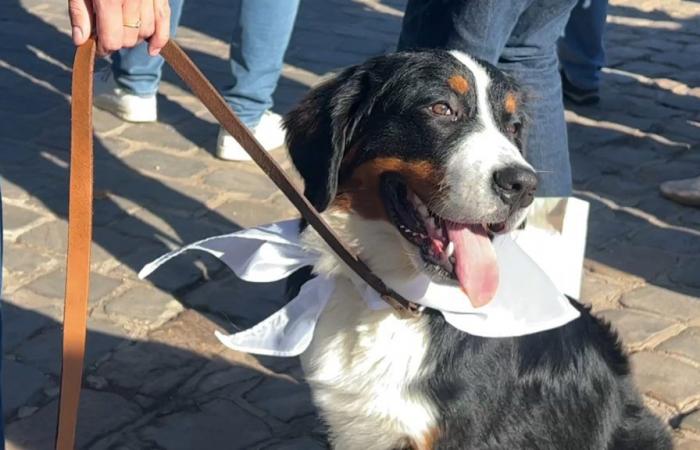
(526, 301)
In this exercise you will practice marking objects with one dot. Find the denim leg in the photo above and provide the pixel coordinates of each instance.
(135, 70)
(581, 51)
(520, 38)
(260, 39)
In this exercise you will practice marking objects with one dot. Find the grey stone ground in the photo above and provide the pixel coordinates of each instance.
(157, 378)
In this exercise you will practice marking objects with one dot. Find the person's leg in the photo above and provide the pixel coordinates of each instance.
(530, 55)
(581, 50)
(260, 39)
(520, 38)
(135, 70)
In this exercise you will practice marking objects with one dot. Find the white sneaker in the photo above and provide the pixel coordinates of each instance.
(130, 107)
(268, 132)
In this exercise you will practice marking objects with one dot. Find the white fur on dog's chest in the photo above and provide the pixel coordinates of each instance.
(360, 365)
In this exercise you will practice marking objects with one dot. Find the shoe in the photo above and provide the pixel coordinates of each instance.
(269, 132)
(577, 95)
(113, 99)
(685, 192)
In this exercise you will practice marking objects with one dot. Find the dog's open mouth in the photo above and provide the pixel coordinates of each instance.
(458, 251)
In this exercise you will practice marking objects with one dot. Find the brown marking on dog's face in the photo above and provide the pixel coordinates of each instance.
(511, 103)
(459, 84)
(361, 192)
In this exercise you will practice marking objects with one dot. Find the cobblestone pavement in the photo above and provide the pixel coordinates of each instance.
(156, 376)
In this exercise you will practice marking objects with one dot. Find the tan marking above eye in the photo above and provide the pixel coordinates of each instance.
(511, 103)
(459, 84)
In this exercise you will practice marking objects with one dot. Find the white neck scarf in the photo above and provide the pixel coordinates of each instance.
(526, 300)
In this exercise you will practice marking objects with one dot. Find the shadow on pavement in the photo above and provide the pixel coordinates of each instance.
(159, 385)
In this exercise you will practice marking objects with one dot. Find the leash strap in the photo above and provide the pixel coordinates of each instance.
(79, 241)
(211, 98)
(80, 217)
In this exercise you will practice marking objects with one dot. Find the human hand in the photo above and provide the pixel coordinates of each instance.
(121, 23)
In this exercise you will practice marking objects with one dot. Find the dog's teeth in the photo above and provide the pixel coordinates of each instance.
(450, 249)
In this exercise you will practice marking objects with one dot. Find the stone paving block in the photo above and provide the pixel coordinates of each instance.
(686, 444)
(692, 422)
(163, 164)
(637, 261)
(686, 344)
(657, 375)
(16, 218)
(247, 213)
(624, 157)
(218, 374)
(599, 292)
(111, 147)
(668, 240)
(652, 174)
(20, 323)
(100, 412)
(52, 285)
(142, 306)
(217, 424)
(157, 136)
(43, 350)
(283, 399)
(181, 272)
(20, 383)
(21, 259)
(686, 273)
(633, 327)
(105, 122)
(665, 302)
(241, 304)
(303, 443)
(34, 303)
(53, 236)
(140, 367)
(35, 432)
(169, 228)
(254, 183)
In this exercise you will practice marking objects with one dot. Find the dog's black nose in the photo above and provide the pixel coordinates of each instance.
(515, 185)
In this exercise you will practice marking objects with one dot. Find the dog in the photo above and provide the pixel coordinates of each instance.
(416, 160)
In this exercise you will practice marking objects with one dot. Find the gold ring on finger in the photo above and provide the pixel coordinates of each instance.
(136, 25)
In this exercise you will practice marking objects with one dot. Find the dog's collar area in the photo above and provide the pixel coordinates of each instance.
(527, 301)
(408, 310)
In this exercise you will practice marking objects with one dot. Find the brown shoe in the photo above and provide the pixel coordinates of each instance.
(686, 192)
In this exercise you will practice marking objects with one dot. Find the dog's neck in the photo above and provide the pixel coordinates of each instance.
(376, 242)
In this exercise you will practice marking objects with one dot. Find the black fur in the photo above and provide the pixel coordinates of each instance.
(567, 388)
(563, 389)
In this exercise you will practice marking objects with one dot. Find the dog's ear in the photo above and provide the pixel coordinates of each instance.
(323, 126)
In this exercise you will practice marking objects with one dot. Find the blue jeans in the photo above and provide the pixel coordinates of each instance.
(581, 52)
(520, 38)
(261, 34)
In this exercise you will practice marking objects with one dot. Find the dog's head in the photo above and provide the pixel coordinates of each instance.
(417, 158)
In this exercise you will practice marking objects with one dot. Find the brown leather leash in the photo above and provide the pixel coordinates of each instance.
(80, 217)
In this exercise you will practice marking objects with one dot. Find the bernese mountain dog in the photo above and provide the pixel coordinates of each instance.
(416, 160)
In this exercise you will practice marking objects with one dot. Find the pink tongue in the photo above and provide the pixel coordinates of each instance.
(475, 262)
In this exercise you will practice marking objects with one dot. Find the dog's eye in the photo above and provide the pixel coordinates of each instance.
(514, 128)
(441, 109)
